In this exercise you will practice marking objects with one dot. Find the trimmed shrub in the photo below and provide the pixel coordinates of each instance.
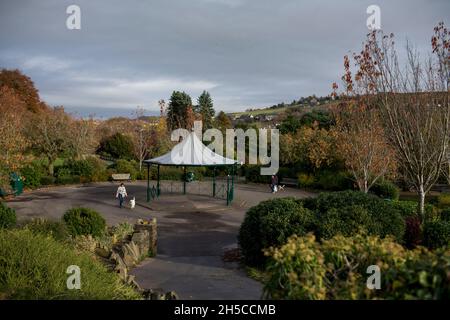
(47, 180)
(33, 266)
(7, 217)
(382, 218)
(436, 234)
(55, 229)
(345, 221)
(406, 208)
(32, 176)
(84, 221)
(64, 180)
(337, 269)
(82, 168)
(271, 223)
(386, 190)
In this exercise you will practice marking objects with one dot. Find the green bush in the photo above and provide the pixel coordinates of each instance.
(99, 172)
(305, 180)
(47, 180)
(271, 223)
(166, 173)
(84, 221)
(7, 216)
(436, 234)
(34, 266)
(32, 176)
(333, 181)
(406, 208)
(124, 166)
(385, 189)
(118, 146)
(371, 213)
(55, 229)
(347, 221)
(337, 269)
(252, 173)
(64, 180)
(444, 200)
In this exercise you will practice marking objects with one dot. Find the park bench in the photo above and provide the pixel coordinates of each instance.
(121, 177)
(289, 182)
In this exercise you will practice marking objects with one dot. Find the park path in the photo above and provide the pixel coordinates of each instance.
(193, 234)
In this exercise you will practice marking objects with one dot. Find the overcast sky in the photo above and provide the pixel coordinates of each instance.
(246, 53)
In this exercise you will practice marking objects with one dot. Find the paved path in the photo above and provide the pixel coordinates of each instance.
(193, 233)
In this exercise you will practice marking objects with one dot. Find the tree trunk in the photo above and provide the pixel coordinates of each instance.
(51, 167)
(422, 202)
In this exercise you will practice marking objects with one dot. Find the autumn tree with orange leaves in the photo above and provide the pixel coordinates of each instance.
(362, 143)
(13, 142)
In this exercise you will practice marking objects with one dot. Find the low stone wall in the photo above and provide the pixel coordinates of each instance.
(142, 244)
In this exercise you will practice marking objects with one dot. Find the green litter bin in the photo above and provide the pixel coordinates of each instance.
(16, 183)
(190, 177)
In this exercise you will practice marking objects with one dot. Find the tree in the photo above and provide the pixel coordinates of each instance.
(24, 88)
(118, 146)
(13, 142)
(223, 122)
(362, 143)
(290, 125)
(312, 146)
(83, 140)
(206, 109)
(178, 110)
(52, 134)
(141, 137)
(413, 103)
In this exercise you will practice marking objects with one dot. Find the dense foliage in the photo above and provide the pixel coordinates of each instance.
(84, 221)
(271, 223)
(118, 146)
(337, 269)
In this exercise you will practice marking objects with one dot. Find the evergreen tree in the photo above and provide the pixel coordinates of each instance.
(177, 111)
(206, 109)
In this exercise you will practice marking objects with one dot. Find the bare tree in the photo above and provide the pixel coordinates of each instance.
(413, 102)
(141, 136)
(83, 137)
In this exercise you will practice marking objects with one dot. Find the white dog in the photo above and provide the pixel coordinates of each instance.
(133, 203)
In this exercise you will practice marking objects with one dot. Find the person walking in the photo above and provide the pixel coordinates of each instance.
(274, 183)
(121, 194)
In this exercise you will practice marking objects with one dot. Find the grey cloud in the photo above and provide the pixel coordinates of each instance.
(246, 53)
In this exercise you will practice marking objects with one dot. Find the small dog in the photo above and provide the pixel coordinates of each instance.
(281, 187)
(133, 203)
